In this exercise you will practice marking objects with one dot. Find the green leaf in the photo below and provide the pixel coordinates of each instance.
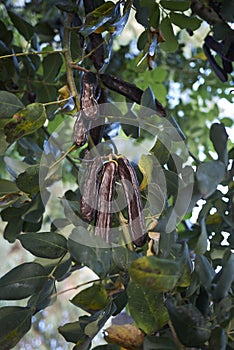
(185, 22)
(145, 165)
(160, 151)
(45, 297)
(159, 343)
(209, 175)
(15, 322)
(148, 98)
(91, 299)
(218, 339)
(123, 257)
(73, 331)
(23, 27)
(28, 181)
(94, 252)
(83, 331)
(7, 186)
(22, 281)
(158, 274)
(60, 267)
(10, 104)
(171, 43)
(219, 138)
(51, 66)
(176, 5)
(201, 245)
(146, 307)
(189, 324)
(204, 271)
(222, 282)
(156, 198)
(25, 122)
(44, 244)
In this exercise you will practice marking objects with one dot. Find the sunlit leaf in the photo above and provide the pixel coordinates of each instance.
(146, 307)
(22, 281)
(44, 244)
(15, 321)
(91, 299)
(146, 167)
(25, 122)
(158, 274)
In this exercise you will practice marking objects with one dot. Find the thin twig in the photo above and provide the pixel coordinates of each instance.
(32, 53)
(68, 59)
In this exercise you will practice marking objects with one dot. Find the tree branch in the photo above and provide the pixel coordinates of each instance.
(129, 90)
(68, 59)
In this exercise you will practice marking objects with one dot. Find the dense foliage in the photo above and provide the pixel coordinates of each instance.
(155, 120)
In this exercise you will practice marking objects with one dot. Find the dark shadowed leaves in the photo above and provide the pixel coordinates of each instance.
(219, 138)
(28, 181)
(15, 321)
(83, 331)
(23, 27)
(94, 252)
(175, 5)
(45, 297)
(44, 244)
(10, 104)
(191, 327)
(22, 281)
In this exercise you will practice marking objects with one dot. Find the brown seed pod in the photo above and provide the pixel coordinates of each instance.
(130, 185)
(105, 198)
(89, 96)
(80, 131)
(90, 190)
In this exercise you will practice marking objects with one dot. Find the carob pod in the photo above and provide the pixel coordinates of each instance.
(90, 190)
(105, 198)
(130, 185)
(90, 94)
(80, 131)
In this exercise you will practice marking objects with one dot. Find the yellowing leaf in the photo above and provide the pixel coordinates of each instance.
(127, 335)
(146, 166)
(25, 122)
